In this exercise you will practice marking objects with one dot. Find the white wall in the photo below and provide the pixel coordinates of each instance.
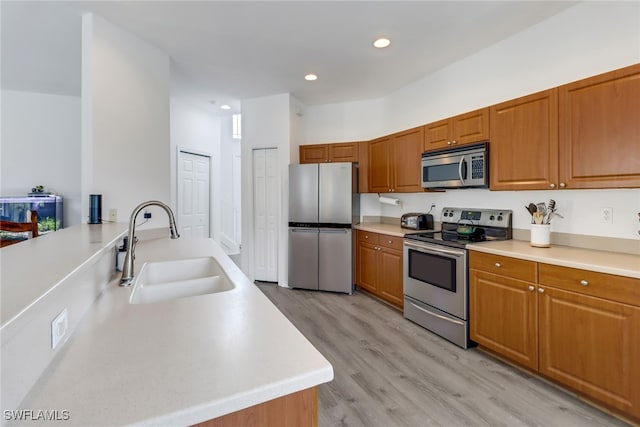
(265, 123)
(41, 146)
(193, 128)
(125, 120)
(230, 188)
(587, 39)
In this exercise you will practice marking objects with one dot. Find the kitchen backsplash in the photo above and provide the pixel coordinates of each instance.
(580, 208)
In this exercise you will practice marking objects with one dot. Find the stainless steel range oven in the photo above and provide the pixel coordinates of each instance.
(436, 270)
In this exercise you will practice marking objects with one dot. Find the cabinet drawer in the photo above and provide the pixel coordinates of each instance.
(367, 236)
(616, 288)
(391, 242)
(504, 266)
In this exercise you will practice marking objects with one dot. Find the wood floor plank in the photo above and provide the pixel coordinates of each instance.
(391, 372)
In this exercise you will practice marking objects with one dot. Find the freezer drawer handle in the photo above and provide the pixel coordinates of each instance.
(457, 322)
(333, 230)
(304, 230)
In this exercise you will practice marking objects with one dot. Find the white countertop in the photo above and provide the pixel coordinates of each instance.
(604, 262)
(181, 361)
(25, 278)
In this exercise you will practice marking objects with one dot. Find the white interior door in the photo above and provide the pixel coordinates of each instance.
(194, 172)
(231, 208)
(266, 200)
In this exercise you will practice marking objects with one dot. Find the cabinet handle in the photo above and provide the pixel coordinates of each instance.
(498, 265)
(448, 142)
(532, 288)
(541, 290)
(390, 241)
(366, 237)
(454, 142)
(584, 282)
(562, 185)
(552, 185)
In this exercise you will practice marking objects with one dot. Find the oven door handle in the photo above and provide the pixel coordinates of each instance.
(460, 169)
(457, 322)
(438, 251)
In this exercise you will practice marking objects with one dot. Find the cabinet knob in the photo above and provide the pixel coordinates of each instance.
(532, 288)
(562, 185)
(498, 265)
(584, 282)
(541, 290)
(448, 142)
(390, 241)
(366, 237)
(552, 185)
(454, 142)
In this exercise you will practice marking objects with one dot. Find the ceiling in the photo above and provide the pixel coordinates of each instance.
(227, 51)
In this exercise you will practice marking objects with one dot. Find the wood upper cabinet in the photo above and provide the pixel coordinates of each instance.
(379, 153)
(600, 131)
(581, 135)
(394, 162)
(504, 309)
(524, 143)
(321, 153)
(379, 266)
(462, 129)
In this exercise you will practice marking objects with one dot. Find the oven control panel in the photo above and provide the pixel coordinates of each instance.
(483, 217)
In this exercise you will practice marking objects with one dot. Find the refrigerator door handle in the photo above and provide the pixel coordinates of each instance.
(303, 230)
(334, 230)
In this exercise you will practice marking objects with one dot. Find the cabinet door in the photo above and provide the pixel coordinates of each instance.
(593, 346)
(343, 152)
(406, 154)
(503, 316)
(316, 153)
(390, 278)
(600, 131)
(471, 127)
(363, 167)
(380, 165)
(367, 269)
(524, 143)
(437, 135)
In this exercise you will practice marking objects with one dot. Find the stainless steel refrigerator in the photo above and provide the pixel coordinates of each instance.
(323, 206)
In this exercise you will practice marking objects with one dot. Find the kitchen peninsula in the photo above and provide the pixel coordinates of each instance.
(181, 361)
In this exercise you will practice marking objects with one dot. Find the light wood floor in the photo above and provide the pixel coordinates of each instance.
(390, 372)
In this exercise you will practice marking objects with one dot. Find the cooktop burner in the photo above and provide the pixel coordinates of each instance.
(461, 226)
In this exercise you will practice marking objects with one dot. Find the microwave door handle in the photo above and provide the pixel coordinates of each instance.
(460, 169)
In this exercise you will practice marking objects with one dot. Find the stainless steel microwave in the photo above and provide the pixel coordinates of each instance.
(466, 166)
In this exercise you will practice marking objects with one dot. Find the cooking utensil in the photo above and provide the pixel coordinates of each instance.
(538, 217)
(532, 208)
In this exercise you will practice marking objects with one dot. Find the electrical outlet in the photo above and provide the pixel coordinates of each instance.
(147, 215)
(606, 215)
(59, 328)
(113, 215)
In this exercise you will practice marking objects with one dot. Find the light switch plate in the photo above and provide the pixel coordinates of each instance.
(59, 328)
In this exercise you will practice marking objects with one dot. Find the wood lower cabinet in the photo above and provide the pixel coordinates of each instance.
(591, 345)
(578, 328)
(379, 266)
(459, 130)
(504, 313)
(323, 153)
(293, 410)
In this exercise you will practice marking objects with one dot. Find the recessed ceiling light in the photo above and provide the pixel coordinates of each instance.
(225, 107)
(311, 77)
(382, 43)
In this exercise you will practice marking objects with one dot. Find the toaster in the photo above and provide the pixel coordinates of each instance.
(417, 221)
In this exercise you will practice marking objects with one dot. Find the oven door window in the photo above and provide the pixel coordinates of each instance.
(444, 172)
(433, 269)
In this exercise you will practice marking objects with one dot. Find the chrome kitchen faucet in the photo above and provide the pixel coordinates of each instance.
(127, 269)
